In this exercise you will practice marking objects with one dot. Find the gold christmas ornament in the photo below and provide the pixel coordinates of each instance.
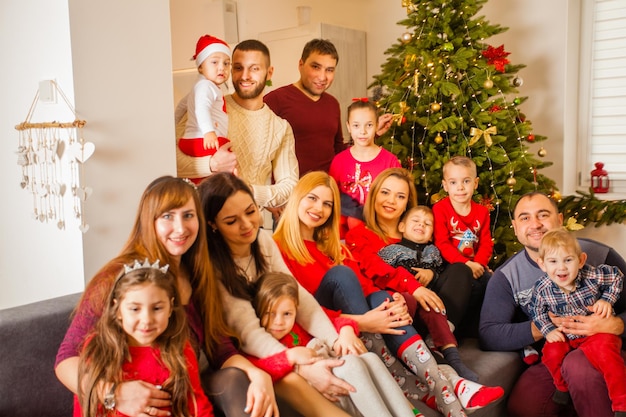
(488, 83)
(556, 195)
(438, 139)
(542, 152)
(406, 37)
(435, 107)
(511, 182)
(435, 198)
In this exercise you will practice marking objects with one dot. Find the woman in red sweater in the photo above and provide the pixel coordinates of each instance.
(308, 236)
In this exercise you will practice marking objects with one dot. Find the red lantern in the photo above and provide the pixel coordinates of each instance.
(599, 179)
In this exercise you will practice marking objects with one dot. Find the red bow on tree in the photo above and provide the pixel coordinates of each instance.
(496, 57)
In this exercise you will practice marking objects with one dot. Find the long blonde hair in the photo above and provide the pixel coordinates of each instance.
(326, 236)
(369, 213)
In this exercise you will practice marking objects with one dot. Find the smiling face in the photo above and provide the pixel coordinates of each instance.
(251, 70)
(417, 226)
(317, 74)
(562, 264)
(459, 182)
(216, 67)
(144, 312)
(238, 222)
(177, 229)
(362, 125)
(533, 217)
(314, 210)
(391, 199)
(280, 319)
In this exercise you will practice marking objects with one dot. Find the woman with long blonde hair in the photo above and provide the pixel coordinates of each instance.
(308, 236)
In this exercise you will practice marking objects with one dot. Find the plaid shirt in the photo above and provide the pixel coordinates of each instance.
(592, 284)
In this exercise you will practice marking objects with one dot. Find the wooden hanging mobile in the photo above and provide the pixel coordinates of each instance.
(40, 154)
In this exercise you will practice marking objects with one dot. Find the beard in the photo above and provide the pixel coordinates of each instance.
(248, 94)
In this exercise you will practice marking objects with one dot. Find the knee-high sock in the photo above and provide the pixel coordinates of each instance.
(415, 354)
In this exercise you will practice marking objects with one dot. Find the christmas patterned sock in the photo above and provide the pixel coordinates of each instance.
(412, 388)
(530, 355)
(419, 359)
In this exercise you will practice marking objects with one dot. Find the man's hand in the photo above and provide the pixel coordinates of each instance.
(589, 325)
(320, 376)
(224, 160)
(384, 123)
(429, 300)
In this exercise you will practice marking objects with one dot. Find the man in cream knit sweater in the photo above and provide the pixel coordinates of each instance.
(262, 150)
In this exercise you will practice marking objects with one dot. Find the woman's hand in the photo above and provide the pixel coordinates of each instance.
(386, 318)
(141, 399)
(320, 376)
(429, 300)
(348, 343)
(424, 276)
(260, 401)
(301, 355)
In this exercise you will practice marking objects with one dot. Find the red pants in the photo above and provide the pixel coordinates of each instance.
(603, 352)
(195, 147)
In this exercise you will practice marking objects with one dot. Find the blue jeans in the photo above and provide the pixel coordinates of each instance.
(393, 341)
(340, 289)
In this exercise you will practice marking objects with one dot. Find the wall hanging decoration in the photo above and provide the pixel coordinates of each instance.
(49, 153)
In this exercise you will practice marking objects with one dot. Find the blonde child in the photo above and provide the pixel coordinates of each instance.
(206, 126)
(571, 288)
(141, 335)
(376, 395)
(355, 168)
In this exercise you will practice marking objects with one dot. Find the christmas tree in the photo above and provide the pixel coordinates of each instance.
(453, 93)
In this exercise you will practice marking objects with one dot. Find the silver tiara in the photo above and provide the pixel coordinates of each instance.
(145, 264)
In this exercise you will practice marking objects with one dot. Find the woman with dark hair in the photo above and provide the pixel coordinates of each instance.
(169, 227)
(240, 251)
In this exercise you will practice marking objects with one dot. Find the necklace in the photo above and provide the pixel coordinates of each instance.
(246, 270)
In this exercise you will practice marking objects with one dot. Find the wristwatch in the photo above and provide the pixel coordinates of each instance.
(109, 399)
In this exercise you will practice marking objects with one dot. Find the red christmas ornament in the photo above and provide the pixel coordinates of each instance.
(495, 108)
(496, 57)
(530, 137)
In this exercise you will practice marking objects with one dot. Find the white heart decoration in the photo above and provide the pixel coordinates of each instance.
(60, 149)
(83, 228)
(84, 192)
(83, 152)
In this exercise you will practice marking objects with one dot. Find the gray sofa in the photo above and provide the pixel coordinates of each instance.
(30, 336)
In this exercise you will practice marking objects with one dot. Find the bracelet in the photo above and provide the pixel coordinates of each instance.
(109, 399)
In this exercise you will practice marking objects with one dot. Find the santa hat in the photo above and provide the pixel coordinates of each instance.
(208, 45)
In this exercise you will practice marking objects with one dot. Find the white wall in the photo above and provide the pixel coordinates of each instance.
(116, 66)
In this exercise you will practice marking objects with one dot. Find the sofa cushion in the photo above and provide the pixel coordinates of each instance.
(30, 337)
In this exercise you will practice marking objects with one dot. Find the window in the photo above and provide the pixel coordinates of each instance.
(603, 92)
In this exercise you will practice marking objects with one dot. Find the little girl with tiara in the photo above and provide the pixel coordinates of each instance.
(141, 335)
(355, 168)
(276, 302)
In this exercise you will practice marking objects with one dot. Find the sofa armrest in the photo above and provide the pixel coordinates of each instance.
(30, 337)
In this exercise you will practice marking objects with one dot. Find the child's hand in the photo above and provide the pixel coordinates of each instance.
(210, 141)
(477, 269)
(555, 336)
(602, 308)
(424, 276)
(348, 342)
(301, 355)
